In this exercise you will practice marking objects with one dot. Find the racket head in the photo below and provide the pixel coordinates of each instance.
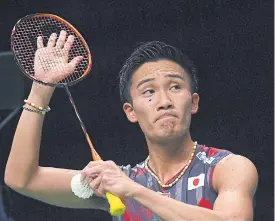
(24, 45)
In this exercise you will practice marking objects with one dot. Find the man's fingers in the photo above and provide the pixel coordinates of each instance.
(69, 43)
(94, 170)
(100, 191)
(87, 172)
(40, 42)
(96, 182)
(74, 63)
(94, 163)
(70, 67)
(97, 167)
(52, 40)
(85, 175)
(61, 40)
(89, 179)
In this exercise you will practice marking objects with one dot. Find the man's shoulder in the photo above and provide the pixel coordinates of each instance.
(236, 170)
(238, 161)
(222, 157)
(212, 151)
(226, 161)
(211, 155)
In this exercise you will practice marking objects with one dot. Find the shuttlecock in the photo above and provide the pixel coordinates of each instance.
(81, 188)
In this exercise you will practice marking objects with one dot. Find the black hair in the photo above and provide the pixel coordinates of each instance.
(149, 52)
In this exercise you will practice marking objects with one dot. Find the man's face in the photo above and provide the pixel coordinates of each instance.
(162, 102)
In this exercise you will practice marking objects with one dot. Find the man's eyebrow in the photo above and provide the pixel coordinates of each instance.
(167, 75)
(175, 76)
(144, 81)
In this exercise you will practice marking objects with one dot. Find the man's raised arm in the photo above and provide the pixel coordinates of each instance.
(23, 173)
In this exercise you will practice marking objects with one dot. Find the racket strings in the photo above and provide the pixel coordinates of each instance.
(25, 46)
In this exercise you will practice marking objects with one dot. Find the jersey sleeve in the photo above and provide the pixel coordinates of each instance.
(126, 169)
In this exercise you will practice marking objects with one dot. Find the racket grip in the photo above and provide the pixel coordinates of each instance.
(117, 208)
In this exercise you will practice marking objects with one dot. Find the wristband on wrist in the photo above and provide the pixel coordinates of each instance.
(41, 112)
(37, 107)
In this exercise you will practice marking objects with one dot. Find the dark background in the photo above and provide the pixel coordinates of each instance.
(230, 41)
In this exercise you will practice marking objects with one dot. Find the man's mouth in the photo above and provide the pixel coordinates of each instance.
(166, 115)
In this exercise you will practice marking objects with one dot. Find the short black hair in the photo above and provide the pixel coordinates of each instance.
(149, 52)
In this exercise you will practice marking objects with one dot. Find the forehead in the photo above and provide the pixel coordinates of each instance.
(155, 69)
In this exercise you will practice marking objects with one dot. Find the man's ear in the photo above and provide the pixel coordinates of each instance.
(130, 113)
(195, 103)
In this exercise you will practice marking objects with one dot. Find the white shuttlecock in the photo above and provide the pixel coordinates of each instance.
(81, 188)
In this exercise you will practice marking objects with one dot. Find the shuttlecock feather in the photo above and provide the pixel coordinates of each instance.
(81, 188)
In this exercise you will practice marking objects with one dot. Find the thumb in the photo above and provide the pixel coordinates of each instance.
(70, 67)
(74, 62)
(83, 176)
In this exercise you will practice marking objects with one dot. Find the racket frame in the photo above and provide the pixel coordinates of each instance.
(68, 25)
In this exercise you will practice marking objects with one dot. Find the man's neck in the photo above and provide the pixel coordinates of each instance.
(167, 159)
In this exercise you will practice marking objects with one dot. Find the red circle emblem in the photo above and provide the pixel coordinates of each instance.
(196, 181)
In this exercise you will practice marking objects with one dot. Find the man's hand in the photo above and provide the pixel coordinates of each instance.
(51, 62)
(106, 176)
(51, 65)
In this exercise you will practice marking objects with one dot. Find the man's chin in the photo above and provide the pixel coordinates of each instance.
(168, 135)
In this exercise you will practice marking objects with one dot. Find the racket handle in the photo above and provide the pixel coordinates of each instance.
(117, 208)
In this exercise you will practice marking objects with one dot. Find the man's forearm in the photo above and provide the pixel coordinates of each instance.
(170, 209)
(24, 154)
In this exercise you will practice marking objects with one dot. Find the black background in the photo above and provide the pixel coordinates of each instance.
(230, 41)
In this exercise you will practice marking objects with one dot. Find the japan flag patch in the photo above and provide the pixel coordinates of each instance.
(195, 182)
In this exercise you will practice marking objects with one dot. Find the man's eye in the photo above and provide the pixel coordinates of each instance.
(148, 92)
(175, 87)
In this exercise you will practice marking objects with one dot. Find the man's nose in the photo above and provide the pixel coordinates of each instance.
(164, 101)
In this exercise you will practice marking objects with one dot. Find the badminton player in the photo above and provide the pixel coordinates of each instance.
(181, 179)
